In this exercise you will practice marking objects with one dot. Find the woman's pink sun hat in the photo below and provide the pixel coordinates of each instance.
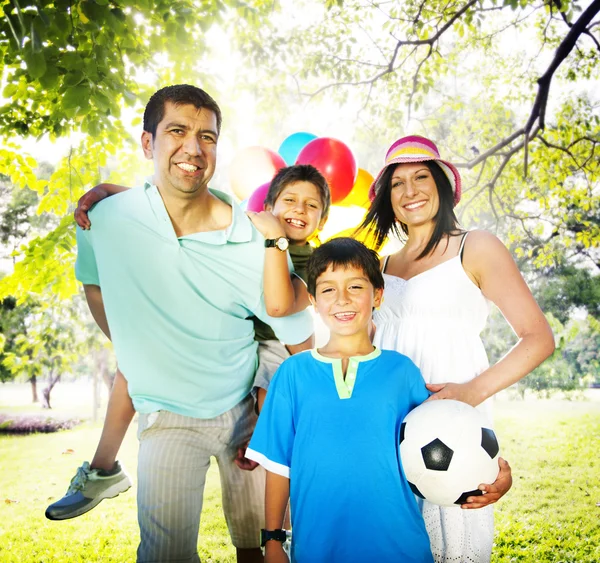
(418, 149)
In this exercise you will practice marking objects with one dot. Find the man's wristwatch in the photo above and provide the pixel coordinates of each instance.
(277, 535)
(280, 243)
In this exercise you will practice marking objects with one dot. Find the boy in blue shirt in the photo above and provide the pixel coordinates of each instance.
(328, 433)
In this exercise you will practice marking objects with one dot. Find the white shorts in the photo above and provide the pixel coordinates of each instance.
(271, 354)
(174, 457)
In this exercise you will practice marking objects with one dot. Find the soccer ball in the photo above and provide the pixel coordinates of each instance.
(447, 450)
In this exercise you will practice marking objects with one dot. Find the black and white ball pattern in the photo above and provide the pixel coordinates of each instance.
(448, 449)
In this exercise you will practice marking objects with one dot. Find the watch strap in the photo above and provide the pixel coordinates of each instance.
(277, 535)
(275, 243)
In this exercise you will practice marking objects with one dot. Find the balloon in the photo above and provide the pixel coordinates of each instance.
(367, 238)
(359, 195)
(256, 202)
(292, 145)
(342, 219)
(335, 161)
(251, 167)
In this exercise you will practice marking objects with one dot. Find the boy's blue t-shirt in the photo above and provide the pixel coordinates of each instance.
(338, 441)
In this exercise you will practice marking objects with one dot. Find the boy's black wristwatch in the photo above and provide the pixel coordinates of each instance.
(277, 535)
(280, 243)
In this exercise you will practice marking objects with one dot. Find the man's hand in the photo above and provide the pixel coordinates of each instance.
(267, 224)
(494, 492)
(242, 461)
(85, 203)
(274, 553)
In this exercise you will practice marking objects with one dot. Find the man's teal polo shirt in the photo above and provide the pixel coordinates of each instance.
(179, 309)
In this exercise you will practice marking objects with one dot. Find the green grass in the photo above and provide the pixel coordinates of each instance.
(551, 514)
(35, 471)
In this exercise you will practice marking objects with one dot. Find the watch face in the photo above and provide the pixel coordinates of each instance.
(282, 243)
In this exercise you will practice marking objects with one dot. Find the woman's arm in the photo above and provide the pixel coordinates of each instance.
(283, 295)
(90, 198)
(492, 267)
(277, 495)
(494, 492)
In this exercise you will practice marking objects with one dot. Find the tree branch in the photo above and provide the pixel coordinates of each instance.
(400, 43)
(586, 31)
(538, 111)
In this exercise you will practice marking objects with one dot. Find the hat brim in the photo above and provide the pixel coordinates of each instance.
(448, 168)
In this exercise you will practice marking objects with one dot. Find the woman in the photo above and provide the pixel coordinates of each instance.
(438, 289)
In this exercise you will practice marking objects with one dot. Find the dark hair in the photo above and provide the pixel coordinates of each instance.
(179, 94)
(344, 252)
(299, 173)
(380, 219)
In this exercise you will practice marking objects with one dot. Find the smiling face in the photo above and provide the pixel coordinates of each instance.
(299, 209)
(184, 149)
(414, 194)
(344, 298)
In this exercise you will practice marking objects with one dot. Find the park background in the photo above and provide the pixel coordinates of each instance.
(510, 92)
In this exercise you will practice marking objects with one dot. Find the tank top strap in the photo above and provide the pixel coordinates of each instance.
(385, 261)
(462, 245)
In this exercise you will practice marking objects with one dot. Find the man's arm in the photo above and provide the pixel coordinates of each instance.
(93, 295)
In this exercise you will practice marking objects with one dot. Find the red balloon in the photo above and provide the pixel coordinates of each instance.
(256, 202)
(335, 161)
(251, 167)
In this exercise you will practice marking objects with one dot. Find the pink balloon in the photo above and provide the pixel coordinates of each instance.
(335, 161)
(251, 167)
(256, 202)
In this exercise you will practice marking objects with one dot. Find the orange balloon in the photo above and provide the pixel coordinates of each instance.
(359, 194)
(251, 167)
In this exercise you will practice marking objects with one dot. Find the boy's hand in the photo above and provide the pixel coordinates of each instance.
(274, 553)
(96, 194)
(493, 492)
(267, 224)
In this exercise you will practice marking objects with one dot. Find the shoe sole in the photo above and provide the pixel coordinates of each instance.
(112, 492)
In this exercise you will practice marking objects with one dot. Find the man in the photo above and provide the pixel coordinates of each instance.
(173, 271)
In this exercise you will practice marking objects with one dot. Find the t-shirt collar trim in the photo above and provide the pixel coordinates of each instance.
(327, 360)
(345, 385)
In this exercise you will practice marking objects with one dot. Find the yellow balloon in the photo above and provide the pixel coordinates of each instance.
(359, 194)
(341, 219)
(365, 237)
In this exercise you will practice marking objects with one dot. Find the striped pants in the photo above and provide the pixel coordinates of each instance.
(174, 457)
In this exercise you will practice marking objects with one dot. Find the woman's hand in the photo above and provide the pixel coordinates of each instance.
(494, 492)
(267, 224)
(469, 392)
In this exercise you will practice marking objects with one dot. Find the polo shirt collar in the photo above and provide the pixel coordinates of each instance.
(240, 229)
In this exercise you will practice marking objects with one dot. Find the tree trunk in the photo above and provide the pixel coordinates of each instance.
(34, 393)
(52, 381)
